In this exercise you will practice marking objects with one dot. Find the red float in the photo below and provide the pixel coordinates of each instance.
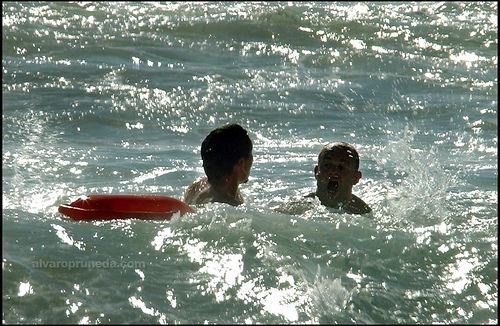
(108, 207)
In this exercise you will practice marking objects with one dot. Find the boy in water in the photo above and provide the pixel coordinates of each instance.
(227, 158)
(336, 173)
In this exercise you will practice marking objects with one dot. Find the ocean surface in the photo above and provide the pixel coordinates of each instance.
(116, 98)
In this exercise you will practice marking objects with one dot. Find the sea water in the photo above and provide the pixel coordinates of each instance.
(116, 98)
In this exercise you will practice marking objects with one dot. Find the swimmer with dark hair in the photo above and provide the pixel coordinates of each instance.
(227, 159)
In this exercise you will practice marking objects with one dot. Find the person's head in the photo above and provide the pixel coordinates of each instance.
(336, 173)
(227, 150)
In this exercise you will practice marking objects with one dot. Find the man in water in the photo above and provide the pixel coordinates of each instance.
(227, 158)
(336, 173)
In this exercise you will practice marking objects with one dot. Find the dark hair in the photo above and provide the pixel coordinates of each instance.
(222, 148)
(342, 146)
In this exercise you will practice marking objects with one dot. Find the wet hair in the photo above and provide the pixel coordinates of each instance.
(340, 146)
(222, 148)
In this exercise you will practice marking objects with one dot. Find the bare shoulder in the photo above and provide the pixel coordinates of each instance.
(311, 195)
(297, 205)
(357, 206)
(196, 191)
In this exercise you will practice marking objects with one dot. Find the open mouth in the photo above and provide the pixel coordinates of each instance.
(333, 185)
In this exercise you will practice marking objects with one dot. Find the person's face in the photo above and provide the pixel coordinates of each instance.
(335, 175)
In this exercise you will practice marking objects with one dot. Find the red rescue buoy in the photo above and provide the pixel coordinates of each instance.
(108, 207)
